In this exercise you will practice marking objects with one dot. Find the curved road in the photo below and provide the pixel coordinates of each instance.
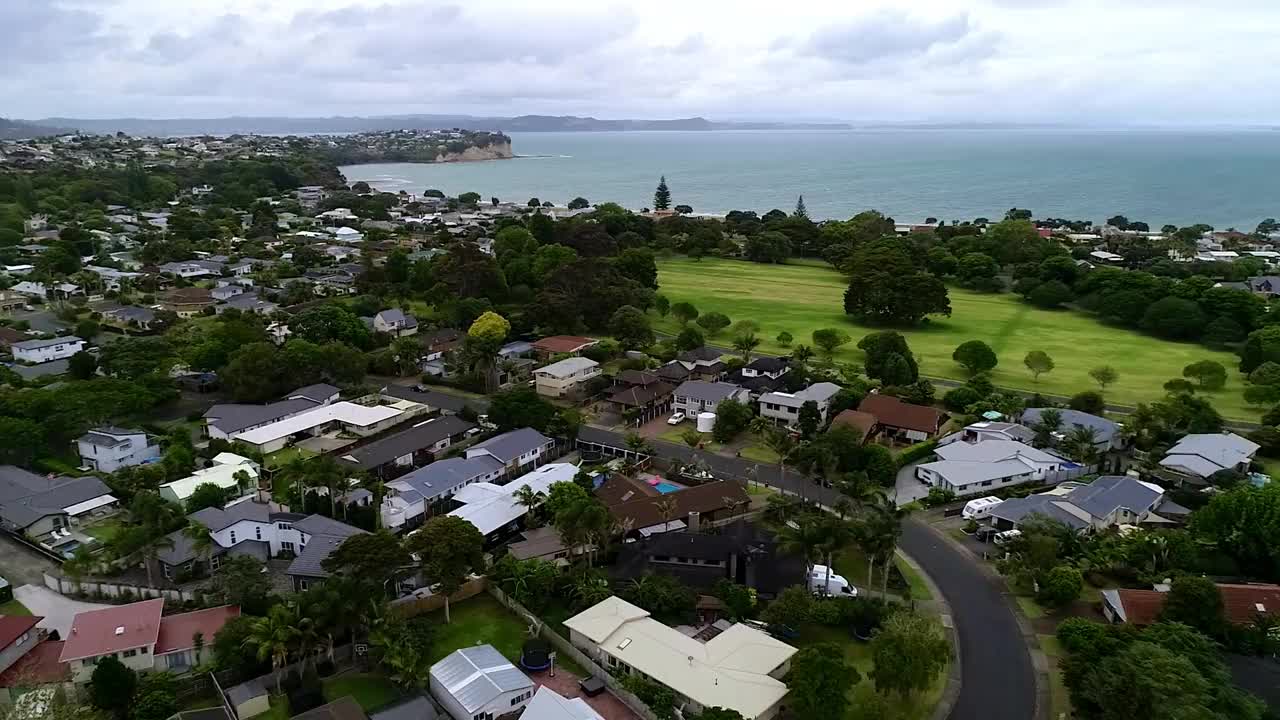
(997, 677)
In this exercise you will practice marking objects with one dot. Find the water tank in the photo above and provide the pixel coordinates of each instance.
(706, 421)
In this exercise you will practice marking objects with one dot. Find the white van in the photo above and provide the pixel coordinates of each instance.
(833, 585)
(979, 508)
(1007, 536)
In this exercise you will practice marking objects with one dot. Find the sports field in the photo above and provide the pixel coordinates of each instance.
(804, 297)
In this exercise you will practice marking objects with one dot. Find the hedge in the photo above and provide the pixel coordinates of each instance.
(919, 451)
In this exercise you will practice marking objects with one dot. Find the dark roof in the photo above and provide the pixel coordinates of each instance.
(246, 691)
(891, 411)
(767, 363)
(637, 378)
(435, 479)
(435, 399)
(319, 392)
(441, 336)
(707, 391)
(674, 371)
(641, 395)
(177, 632)
(713, 496)
(510, 445)
(26, 497)
(220, 518)
(234, 417)
(419, 437)
(326, 535)
(704, 353)
(417, 707)
(563, 343)
(621, 488)
(344, 708)
(760, 383)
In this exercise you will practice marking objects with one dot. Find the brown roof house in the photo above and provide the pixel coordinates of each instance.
(1242, 604)
(645, 514)
(902, 421)
(864, 423)
(140, 636)
(562, 345)
(186, 302)
(640, 396)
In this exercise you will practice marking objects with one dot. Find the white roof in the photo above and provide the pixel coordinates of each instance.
(566, 367)
(222, 475)
(91, 504)
(344, 412)
(489, 506)
(229, 458)
(547, 704)
(731, 670)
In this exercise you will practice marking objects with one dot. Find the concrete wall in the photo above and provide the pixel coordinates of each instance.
(115, 589)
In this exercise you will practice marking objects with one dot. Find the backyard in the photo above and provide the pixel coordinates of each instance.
(371, 691)
(802, 298)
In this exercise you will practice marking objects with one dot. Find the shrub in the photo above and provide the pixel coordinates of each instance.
(1061, 586)
(938, 496)
(918, 451)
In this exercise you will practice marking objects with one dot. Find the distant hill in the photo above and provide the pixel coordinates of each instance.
(21, 130)
(342, 124)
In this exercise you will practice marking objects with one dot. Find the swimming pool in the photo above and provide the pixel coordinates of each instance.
(665, 487)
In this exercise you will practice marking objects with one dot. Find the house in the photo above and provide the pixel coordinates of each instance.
(438, 342)
(644, 511)
(562, 345)
(186, 302)
(224, 420)
(517, 450)
(435, 401)
(738, 669)
(547, 704)
(43, 351)
(900, 421)
(494, 509)
(702, 363)
(140, 636)
(176, 649)
(131, 316)
(395, 322)
(1243, 605)
(741, 552)
(193, 268)
(18, 635)
(320, 537)
(40, 665)
(762, 375)
(976, 467)
(409, 499)
(860, 422)
(39, 506)
(248, 303)
(990, 430)
(478, 683)
(242, 527)
(544, 543)
(222, 472)
(642, 394)
(1266, 286)
(784, 408)
(1195, 458)
(565, 377)
(226, 292)
(108, 449)
(698, 396)
(342, 416)
(407, 449)
(1107, 502)
(414, 707)
(11, 302)
(1106, 433)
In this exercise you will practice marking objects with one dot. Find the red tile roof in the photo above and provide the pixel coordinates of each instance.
(862, 422)
(1141, 607)
(563, 343)
(1239, 603)
(41, 665)
(113, 629)
(177, 631)
(12, 627)
(893, 412)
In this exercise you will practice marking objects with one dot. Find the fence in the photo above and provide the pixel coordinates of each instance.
(411, 605)
(566, 648)
(116, 589)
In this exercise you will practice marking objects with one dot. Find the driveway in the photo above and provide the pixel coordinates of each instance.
(21, 565)
(997, 678)
(57, 610)
(907, 488)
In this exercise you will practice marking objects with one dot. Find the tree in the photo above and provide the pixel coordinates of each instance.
(784, 339)
(240, 580)
(888, 358)
(1211, 375)
(330, 322)
(451, 548)
(1145, 680)
(690, 338)
(893, 292)
(112, 686)
(156, 698)
(206, 495)
(978, 271)
(1260, 346)
(579, 203)
(1174, 318)
(1194, 601)
(819, 680)
(406, 644)
(377, 559)
(521, 407)
(1104, 375)
(808, 419)
(684, 312)
(1050, 294)
(662, 196)
(1039, 363)
(662, 305)
(1268, 373)
(1088, 401)
(83, 365)
(830, 340)
(1060, 587)
(274, 637)
(975, 356)
(745, 343)
(732, 417)
(792, 607)
(801, 211)
(630, 327)
(908, 651)
(714, 322)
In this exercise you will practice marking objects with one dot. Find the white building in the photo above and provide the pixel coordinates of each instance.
(43, 351)
(362, 420)
(222, 473)
(966, 468)
(785, 407)
(493, 508)
(395, 322)
(108, 449)
(478, 683)
(697, 396)
(563, 378)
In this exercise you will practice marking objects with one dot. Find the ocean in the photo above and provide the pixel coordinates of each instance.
(1223, 178)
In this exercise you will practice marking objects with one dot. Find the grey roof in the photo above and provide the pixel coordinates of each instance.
(326, 535)
(392, 315)
(436, 479)
(417, 707)
(518, 347)
(31, 372)
(220, 518)
(419, 437)
(707, 391)
(704, 353)
(1105, 429)
(510, 445)
(318, 392)
(475, 676)
(1016, 510)
(108, 436)
(259, 550)
(1209, 452)
(26, 497)
(246, 691)
(994, 451)
(132, 313)
(37, 344)
(436, 399)
(768, 363)
(1112, 492)
(182, 550)
(234, 417)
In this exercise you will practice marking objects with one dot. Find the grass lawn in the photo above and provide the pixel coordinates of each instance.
(279, 709)
(858, 654)
(371, 691)
(759, 453)
(803, 298)
(1030, 607)
(283, 457)
(852, 564)
(13, 607)
(105, 530)
(478, 621)
(1059, 697)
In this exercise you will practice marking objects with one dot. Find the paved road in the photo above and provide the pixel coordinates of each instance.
(997, 678)
(58, 610)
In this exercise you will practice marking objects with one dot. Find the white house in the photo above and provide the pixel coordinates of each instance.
(395, 322)
(785, 407)
(222, 473)
(516, 451)
(43, 351)
(696, 396)
(965, 468)
(564, 377)
(362, 420)
(478, 683)
(492, 508)
(409, 496)
(110, 448)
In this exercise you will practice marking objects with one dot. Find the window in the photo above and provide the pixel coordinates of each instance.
(286, 546)
(233, 537)
(130, 653)
(257, 532)
(144, 649)
(284, 526)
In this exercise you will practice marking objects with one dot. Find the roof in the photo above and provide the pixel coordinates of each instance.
(567, 367)
(108, 436)
(490, 507)
(1107, 494)
(392, 315)
(344, 708)
(510, 445)
(326, 535)
(344, 412)
(441, 476)
(647, 511)
(993, 451)
(233, 417)
(418, 437)
(1053, 507)
(818, 393)
(1105, 429)
(246, 691)
(221, 518)
(177, 632)
(563, 343)
(712, 392)
(476, 676)
(704, 354)
(547, 704)
(37, 344)
(769, 364)
(730, 670)
(891, 411)
(41, 664)
(436, 399)
(13, 627)
(863, 422)
(26, 497)
(1207, 453)
(222, 475)
(417, 707)
(113, 629)
(641, 395)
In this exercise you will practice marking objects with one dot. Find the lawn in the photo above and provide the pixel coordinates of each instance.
(858, 654)
(104, 531)
(478, 621)
(283, 457)
(802, 298)
(852, 564)
(371, 691)
(1059, 697)
(13, 607)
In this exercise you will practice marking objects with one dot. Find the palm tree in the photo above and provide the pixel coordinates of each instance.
(801, 354)
(666, 507)
(1049, 423)
(1081, 444)
(808, 537)
(881, 530)
(273, 637)
(638, 444)
(781, 509)
(151, 551)
(201, 540)
(781, 443)
(531, 500)
(745, 344)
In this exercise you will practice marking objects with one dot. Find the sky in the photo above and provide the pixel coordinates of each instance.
(1104, 62)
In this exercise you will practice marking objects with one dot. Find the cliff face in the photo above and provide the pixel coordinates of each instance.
(495, 151)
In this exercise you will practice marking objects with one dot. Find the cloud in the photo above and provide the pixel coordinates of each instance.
(887, 34)
(40, 31)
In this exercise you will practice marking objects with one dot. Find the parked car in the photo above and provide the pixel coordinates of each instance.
(824, 582)
(1007, 536)
(676, 418)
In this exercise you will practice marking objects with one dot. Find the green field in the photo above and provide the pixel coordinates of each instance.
(803, 298)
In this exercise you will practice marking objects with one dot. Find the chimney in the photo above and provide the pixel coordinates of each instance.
(695, 520)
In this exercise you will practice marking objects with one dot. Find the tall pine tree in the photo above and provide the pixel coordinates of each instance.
(662, 196)
(801, 212)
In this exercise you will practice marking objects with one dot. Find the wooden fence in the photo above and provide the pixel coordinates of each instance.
(411, 605)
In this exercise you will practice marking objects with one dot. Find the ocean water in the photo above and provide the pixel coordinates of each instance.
(1223, 178)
